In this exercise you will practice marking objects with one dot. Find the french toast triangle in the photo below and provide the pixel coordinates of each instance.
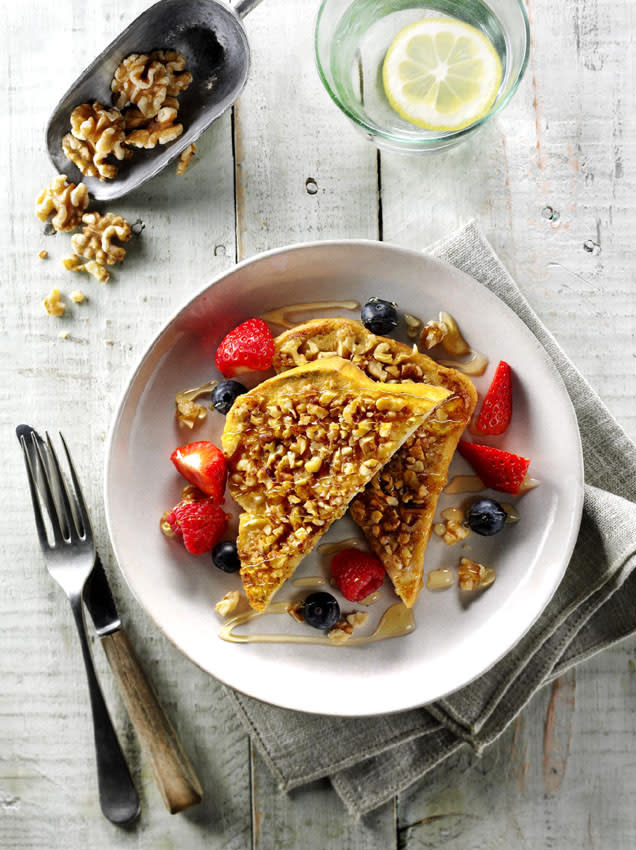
(396, 509)
(299, 447)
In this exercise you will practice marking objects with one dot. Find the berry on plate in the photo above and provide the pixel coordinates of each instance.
(321, 610)
(496, 410)
(498, 469)
(225, 394)
(225, 557)
(486, 517)
(379, 316)
(357, 574)
(247, 348)
(203, 465)
(199, 524)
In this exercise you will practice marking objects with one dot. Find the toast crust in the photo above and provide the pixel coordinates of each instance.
(299, 447)
(396, 509)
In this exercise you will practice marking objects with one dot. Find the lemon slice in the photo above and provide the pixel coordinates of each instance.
(441, 73)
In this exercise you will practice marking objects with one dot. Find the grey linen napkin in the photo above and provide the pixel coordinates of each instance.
(371, 759)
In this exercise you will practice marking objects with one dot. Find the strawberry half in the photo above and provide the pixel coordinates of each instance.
(199, 524)
(496, 410)
(203, 465)
(248, 348)
(357, 574)
(498, 470)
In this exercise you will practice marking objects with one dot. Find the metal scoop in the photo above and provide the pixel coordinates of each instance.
(210, 35)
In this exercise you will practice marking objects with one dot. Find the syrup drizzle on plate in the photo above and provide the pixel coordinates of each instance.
(282, 316)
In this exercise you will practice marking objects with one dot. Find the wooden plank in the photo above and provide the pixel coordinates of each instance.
(47, 776)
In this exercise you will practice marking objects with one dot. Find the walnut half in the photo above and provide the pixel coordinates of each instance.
(96, 241)
(96, 133)
(66, 200)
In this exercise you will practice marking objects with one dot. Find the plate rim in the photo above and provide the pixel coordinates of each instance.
(325, 245)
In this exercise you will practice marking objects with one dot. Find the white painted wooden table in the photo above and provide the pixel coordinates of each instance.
(565, 775)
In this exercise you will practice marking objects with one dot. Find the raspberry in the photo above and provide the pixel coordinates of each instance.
(199, 524)
(249, 347)
(357, 574)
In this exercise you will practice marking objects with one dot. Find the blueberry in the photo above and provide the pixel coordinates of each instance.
(486, 517)
(379, 316)
(225, 557)
(225, 394)
(321, 611)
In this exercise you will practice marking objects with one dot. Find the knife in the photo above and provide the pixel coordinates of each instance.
(173, 773)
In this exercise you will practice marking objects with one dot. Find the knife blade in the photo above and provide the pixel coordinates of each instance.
(178, 783)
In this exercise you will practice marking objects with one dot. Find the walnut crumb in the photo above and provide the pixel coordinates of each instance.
(184, 159)
(43, 255)
(228, 604)
(63, 334)
(53, 303)
(474, 576)
(77, 296)
(344, 628)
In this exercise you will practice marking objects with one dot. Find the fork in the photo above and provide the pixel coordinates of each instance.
(69, 560)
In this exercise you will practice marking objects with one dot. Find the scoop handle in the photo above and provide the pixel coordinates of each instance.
(242, 7)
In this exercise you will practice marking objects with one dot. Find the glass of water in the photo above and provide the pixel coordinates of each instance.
(351, 42)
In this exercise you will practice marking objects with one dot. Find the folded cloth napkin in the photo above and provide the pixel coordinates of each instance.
(370, 759)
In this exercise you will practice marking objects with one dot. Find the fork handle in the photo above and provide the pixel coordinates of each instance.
(177, 781)
(117, 795)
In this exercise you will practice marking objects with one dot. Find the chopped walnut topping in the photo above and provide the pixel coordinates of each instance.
(66, 200)
(142, 81)
(158, 130)
(229, 603)
(184, 159)
(53, 303)
(96, 133)
(97, 270)
(473, 576)
(453, 529)
(96, 241)
(345, 627)
(432, 334)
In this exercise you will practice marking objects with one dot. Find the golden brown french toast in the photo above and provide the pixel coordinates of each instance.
(299, 447)
(396, 509)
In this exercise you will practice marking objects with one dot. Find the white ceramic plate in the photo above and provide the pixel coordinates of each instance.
(454, 641)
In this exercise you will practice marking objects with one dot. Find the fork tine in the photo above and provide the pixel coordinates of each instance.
(79, 498)
(39, 521)
(60, 486)
(45, 490)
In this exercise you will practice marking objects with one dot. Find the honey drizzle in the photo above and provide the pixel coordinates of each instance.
(194, 393)
(455, 345)
(464, 484)
(279, 316)
(329, 549)
(396, 621)
(310, 581)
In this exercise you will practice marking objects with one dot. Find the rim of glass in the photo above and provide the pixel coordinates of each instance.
(430, 142)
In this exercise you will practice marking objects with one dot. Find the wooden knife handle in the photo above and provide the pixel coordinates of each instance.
(177, 781)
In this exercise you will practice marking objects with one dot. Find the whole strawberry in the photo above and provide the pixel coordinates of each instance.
(200, 524)
(496, 410)
(247, 348)
(357, 574)
(498, 469)
(203, 465)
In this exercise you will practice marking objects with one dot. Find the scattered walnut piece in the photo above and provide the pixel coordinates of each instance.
(63, 334)
(67, 200)
(432, 334)
(175, 63)
(184, 159)
(159, 130)
(473, 576)
(96, 133)
(53, 303)
(344, 628)
(189, 413)
(228, 604)
(452, 530)
(77, 296)
(43, 255)
(97, 270)
(142, 81)
(96, 241)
